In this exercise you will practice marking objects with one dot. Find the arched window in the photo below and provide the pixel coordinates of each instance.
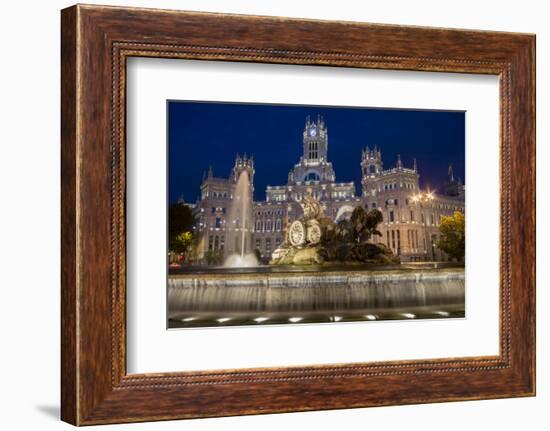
(313, 150)
(278, 225)
(268, 225)
(312, 176)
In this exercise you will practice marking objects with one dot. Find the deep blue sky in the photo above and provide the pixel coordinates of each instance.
(203, 134)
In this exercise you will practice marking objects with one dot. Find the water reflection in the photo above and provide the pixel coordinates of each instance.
(209, 320)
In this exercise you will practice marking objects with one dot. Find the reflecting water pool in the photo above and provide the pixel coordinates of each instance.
(335, 294)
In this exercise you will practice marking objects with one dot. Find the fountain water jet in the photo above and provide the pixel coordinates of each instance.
(239, 232)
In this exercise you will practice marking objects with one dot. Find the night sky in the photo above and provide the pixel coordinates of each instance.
(203, 134)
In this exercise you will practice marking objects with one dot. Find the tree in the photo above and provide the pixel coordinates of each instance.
(180, 220)
(453, 239)
(183, 242)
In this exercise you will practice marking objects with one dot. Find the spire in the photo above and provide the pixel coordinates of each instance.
(399, 164)
(210, 172)
(450, 172)
(415, 168)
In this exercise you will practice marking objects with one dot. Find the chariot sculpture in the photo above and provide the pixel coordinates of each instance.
(316, 239)
(308, 229)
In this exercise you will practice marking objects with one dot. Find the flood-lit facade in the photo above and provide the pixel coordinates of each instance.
(411, 216)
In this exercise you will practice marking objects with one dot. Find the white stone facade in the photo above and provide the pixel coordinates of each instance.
(411, 216)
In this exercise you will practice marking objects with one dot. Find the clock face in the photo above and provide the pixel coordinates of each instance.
(312, 132)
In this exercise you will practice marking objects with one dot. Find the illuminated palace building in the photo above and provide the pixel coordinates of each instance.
(411, 216)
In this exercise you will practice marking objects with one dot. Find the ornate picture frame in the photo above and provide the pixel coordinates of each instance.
(96, 41)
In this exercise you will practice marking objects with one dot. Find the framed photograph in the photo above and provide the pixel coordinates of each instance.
(325, 214)
(310, 248)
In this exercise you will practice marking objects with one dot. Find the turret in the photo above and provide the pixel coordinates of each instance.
(371, 162)
(243, 163)
(291, 177)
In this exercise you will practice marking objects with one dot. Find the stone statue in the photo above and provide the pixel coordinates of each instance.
(302, 235)
(307, 229)
(315, 239)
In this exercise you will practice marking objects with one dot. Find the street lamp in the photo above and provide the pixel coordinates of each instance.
(422, 197)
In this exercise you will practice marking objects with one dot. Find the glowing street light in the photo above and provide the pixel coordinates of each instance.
(423, 197)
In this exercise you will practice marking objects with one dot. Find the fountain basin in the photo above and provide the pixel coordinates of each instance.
(347, 294)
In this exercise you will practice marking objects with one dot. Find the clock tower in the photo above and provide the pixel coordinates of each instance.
(313, 165)
(315, 140)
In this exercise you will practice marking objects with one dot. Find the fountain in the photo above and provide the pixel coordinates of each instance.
(315, 296)
(239, 232)
(322, 272)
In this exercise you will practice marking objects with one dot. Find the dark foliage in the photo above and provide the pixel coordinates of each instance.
(180, 219)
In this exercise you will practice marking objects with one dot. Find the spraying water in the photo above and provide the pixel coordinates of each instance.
(239, 231)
